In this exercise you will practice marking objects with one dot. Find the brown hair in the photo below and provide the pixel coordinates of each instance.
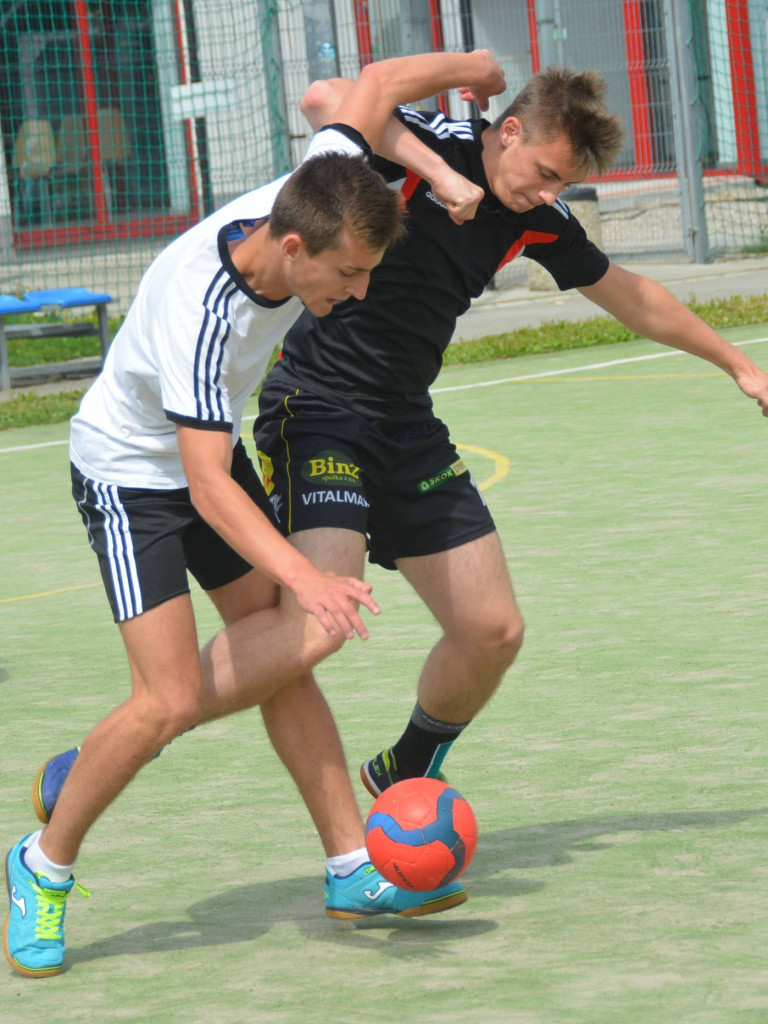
(560, 101)
(334, 192)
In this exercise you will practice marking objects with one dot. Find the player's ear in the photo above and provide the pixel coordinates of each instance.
(291, 246)
(511, 128)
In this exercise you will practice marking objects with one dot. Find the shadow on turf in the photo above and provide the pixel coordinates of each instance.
(554, 843)
(248, 912)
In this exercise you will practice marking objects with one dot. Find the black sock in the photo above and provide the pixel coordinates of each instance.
(423, 746)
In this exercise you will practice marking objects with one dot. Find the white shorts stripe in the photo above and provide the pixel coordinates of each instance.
(122, 564)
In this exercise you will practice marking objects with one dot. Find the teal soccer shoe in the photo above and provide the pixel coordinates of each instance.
(366, 893)
(34, 928)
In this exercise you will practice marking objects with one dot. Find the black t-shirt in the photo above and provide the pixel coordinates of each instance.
(381, 355)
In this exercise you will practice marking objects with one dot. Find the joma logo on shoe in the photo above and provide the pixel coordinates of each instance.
(382, 887)
(21, 904)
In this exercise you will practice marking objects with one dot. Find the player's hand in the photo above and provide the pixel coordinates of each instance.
(333, 600)
(491, 83)
(754, 384)
(460, 196)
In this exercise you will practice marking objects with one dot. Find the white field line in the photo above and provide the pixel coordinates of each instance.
(470, 387)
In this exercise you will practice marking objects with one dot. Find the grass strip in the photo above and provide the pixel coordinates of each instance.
(30, 408)
(558, 335)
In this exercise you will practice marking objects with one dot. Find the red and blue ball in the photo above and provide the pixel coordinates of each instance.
(421, 834)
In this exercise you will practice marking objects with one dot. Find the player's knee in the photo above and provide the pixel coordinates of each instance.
(314, 646)
(497, 639)
(170, 718)
(507, 638)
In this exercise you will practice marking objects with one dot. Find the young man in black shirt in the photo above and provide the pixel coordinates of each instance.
(351, 451)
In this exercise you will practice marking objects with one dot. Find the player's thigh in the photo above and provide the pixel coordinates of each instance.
(253, 592)
(338, 552)
(468, 589)
(163, 650)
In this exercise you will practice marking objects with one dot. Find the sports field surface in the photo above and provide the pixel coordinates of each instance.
(619, 778)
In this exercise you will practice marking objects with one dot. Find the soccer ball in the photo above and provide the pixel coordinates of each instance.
(421, 834)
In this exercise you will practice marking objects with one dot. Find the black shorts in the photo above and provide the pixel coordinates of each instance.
(403, 485)
(146, 540)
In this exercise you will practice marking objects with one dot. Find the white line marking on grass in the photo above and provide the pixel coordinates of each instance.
(469, 387)
(30, 447)
(576, 369)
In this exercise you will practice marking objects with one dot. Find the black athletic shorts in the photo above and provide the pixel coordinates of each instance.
(146, 540)
(403, 485)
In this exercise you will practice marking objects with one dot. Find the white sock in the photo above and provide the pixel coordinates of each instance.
(38, 863)
(346, 863)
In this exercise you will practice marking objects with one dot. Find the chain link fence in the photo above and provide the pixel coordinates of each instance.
(125, 121)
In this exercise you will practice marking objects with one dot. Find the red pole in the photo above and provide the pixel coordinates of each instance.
(533, 37)
(100, 209)
(743, 84)
(638, 86)
(363, 28)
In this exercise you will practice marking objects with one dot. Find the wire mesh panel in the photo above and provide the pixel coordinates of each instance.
(125, 121)
(730, 46)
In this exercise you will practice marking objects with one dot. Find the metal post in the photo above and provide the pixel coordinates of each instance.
(5, 373)
(270, 48)
(545, 29)
(682, 76)
(6, 213)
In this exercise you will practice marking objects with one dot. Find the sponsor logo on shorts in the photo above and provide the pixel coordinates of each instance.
(337, 497)
(276, 501)
(449, 473)
(267, 471)
(331, 468)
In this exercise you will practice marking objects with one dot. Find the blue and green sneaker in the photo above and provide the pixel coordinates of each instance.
(366, 893)
(49, 782)
(381, 772)
(34, 929)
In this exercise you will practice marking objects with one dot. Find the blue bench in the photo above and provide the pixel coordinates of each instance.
(51, 300)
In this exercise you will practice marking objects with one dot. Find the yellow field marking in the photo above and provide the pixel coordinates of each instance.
(500, 464)
(48, 593)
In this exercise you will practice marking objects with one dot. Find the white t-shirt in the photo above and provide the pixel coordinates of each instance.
(192, 349)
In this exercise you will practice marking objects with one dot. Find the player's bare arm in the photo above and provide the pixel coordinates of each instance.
(207, 458)
(322, 104)
(647, 307)
(383, 85)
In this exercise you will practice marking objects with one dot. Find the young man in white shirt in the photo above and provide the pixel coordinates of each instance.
(163, 485)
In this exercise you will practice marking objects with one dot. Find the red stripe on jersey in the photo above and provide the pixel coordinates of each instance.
(410, 184)
(527, 238)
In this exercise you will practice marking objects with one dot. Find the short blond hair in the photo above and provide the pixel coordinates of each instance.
(561, 102)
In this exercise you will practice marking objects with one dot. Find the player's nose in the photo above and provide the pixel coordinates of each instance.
(359, 286)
